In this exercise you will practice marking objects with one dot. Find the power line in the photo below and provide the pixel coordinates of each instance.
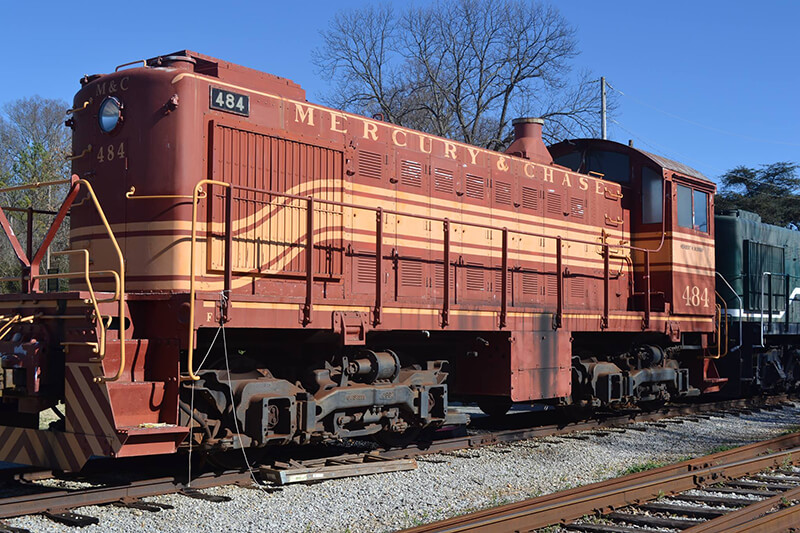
(699, 125)
(664, 152)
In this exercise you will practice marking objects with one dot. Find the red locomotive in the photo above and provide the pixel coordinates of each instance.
(267, 270)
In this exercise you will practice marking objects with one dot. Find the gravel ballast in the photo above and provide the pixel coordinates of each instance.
(444, 485)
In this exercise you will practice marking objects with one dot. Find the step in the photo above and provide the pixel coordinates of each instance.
(140, 402)
(150, 439)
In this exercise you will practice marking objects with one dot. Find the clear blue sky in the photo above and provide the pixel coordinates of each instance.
(713, 84)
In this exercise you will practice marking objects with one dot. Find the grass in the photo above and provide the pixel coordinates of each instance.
(722, 448)
(650, 465)
(642, 467)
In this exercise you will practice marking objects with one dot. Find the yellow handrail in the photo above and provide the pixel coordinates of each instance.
(79, 108)
(100, 350)
(195, 199)
(86, 150)
(11, 321)
(35, 185)
(130, 195)
(119, 278)
(121, 282)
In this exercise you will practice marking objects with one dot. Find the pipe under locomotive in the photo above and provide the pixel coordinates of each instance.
(263, 270)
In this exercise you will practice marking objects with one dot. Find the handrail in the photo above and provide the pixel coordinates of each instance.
(192, 291)
(32, 264)
(615, 253)
(35, 185)
(79, 108)
(130, 195)
(121, 258)
(142, 61)
(741, 309)
(85, 151)
(720, 335)
(100, 350)
(13, 320)
(421, 217)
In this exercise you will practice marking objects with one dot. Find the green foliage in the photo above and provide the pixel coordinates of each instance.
(642, 467)
(722, 448)
(772, 191)
(34, 145)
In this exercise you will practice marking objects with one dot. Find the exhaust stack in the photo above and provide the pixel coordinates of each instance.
(528, 141)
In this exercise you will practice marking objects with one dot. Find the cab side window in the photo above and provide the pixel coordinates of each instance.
(692, 209)
(652, 188)
(701, 211)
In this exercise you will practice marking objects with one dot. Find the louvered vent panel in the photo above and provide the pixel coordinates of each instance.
(370, 164)
(475, 278)
(411, 274)
(502, 192)
(475, 186)
(577, 207)
(443, 181)
(551, 285)
(577, 289)
(438, 274)
(530, 198)
(498, 281)
(365, 269)
(411, 173)
(554, 203)
(530, 284)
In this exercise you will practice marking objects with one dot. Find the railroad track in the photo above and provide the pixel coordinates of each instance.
(29, 497)
(665, 497)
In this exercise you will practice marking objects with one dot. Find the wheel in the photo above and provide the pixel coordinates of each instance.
(234, 459)
(495, 406)
(651, 405)
(397, 439)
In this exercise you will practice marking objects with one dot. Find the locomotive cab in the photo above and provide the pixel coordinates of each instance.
(668, 209)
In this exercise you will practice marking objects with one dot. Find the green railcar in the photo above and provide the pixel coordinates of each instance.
(758, 287)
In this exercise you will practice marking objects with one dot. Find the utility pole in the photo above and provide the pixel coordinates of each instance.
(603, 107)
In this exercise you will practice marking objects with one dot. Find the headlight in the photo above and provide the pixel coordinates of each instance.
(110, 114)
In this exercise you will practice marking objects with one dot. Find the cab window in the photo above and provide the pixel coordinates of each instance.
(701, 211)
(651, 196)
(613, 165)
(692, 209)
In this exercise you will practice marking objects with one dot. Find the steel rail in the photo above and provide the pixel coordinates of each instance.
(755, 517)
(70, 499)
(512, 435)
(620, 492)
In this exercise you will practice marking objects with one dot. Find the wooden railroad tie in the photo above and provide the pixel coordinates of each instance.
(333, 468)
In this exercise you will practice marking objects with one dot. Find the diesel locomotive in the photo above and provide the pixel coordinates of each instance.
(248, 268)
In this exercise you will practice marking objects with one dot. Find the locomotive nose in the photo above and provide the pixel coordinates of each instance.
(528, 141)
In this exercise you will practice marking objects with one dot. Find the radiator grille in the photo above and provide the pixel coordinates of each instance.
(270, 230)
(411, 173)
(475, 187)
(502, 192)
(443, 181)
(370, 164)
(530, 198)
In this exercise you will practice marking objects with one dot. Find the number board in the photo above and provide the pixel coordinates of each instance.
(230, 102)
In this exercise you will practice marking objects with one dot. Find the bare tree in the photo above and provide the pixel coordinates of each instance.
(34, 145)
(460, 68)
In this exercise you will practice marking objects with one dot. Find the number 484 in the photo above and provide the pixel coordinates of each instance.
(230, 101)
(693, 296)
